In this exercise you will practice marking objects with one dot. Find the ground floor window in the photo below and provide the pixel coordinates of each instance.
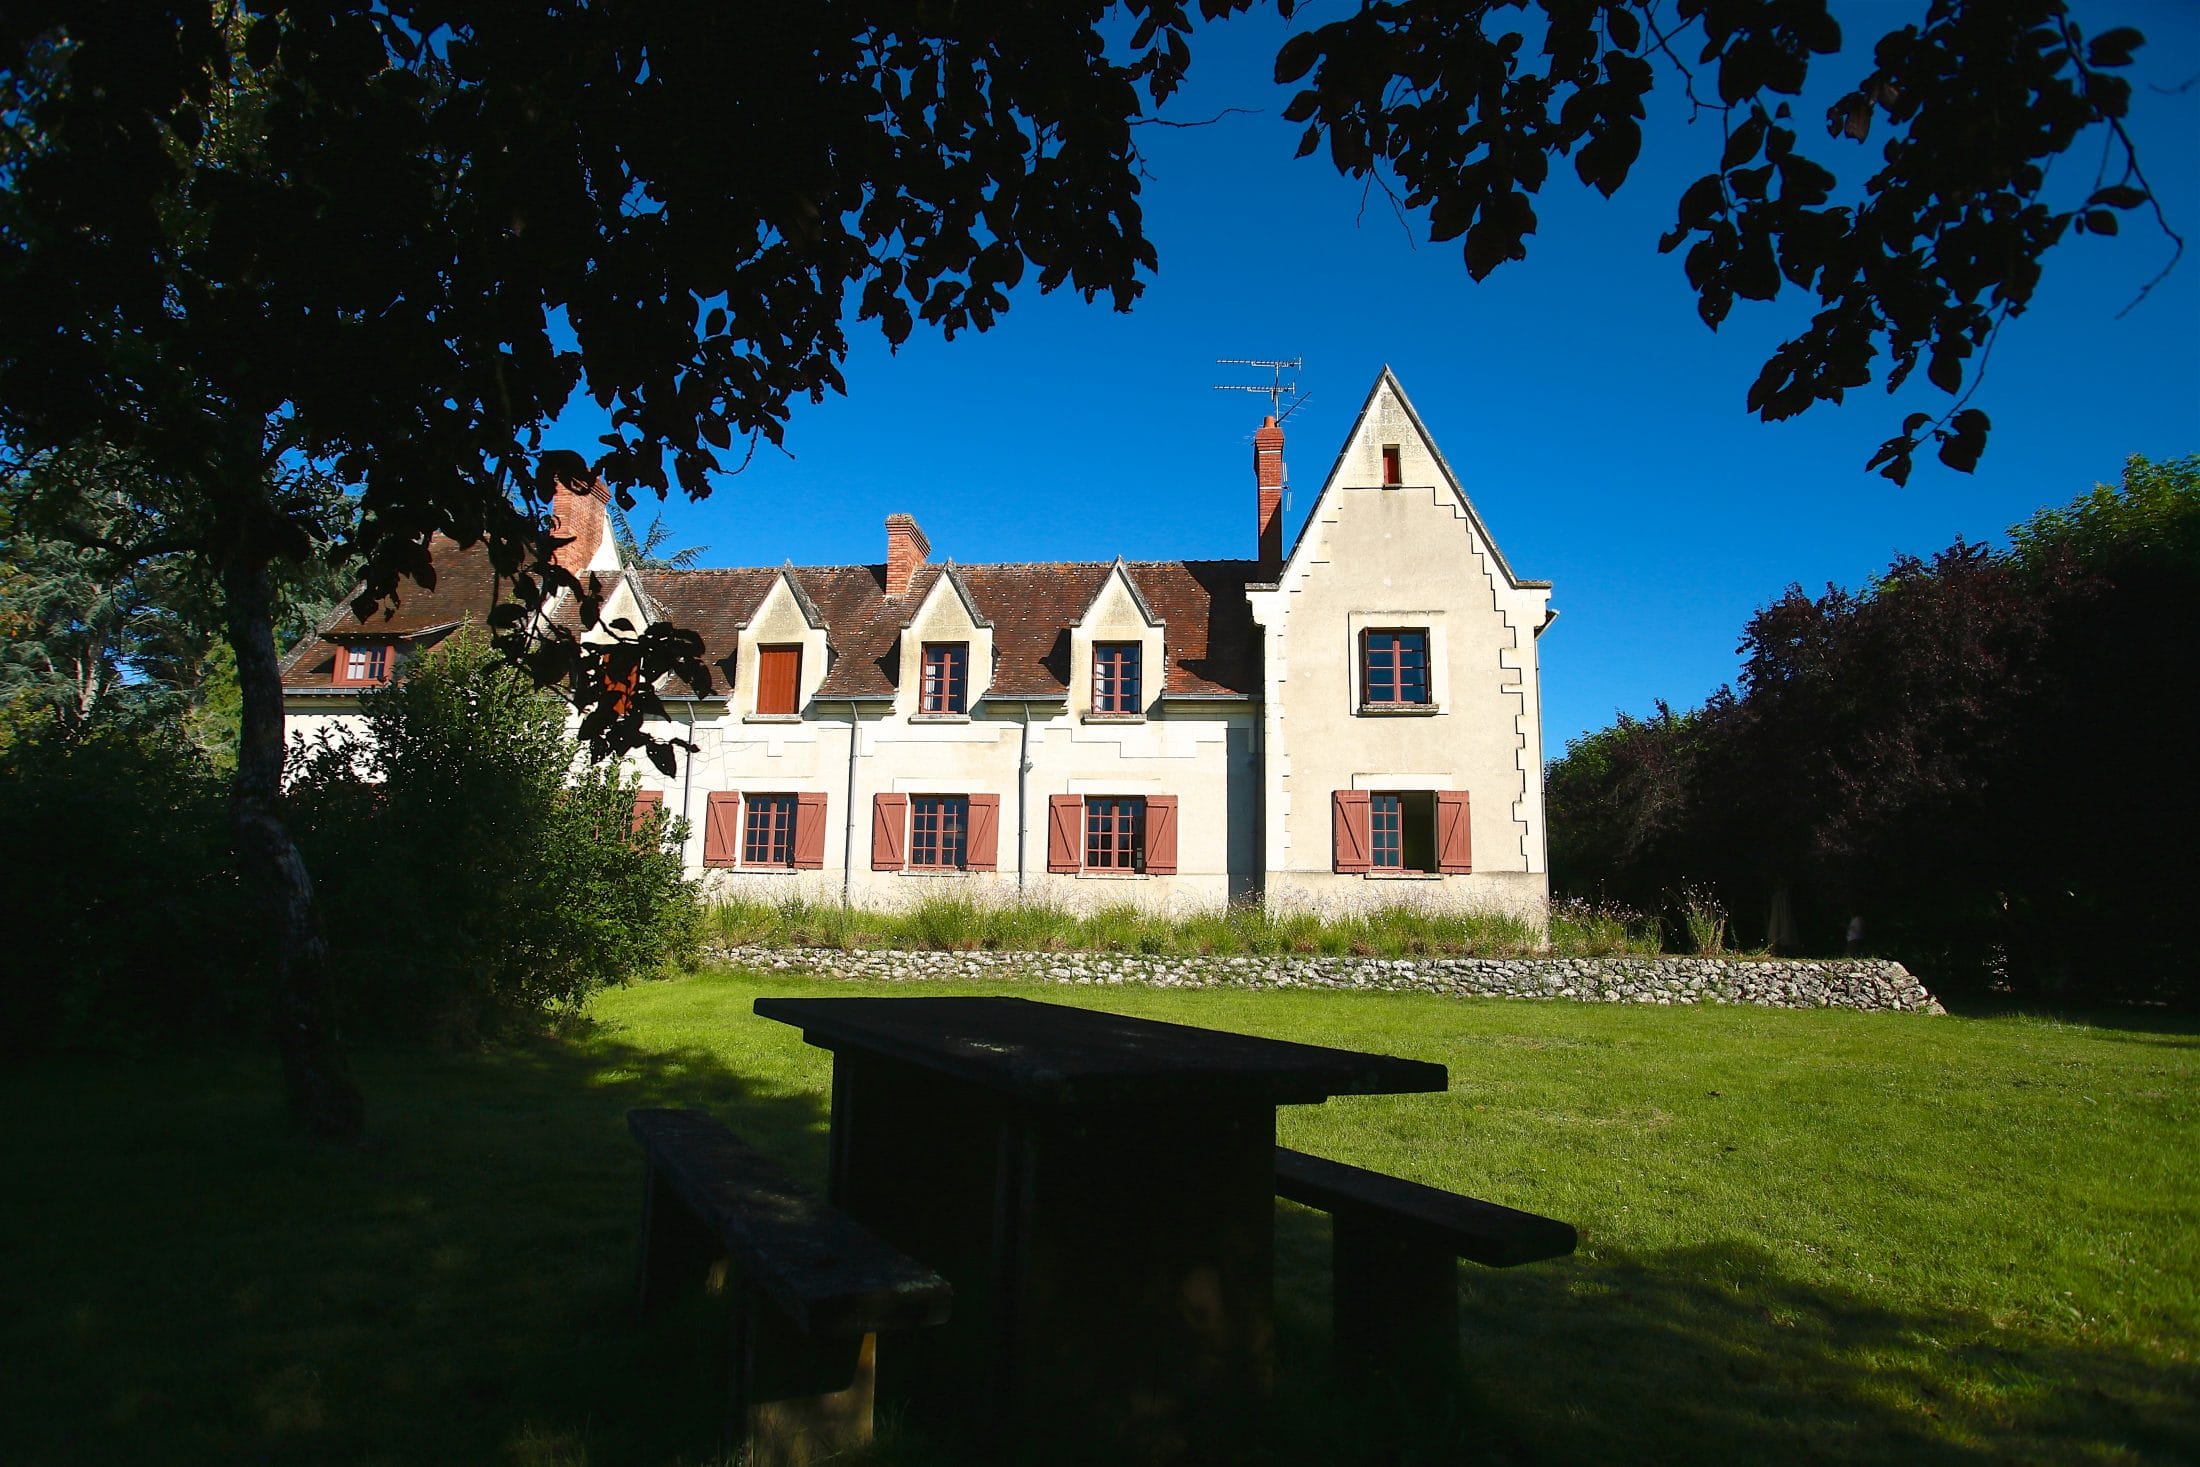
(1402, 831)
(939, 827)
(767, 830)
(1115, 834)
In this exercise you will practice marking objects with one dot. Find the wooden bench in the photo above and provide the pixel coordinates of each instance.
(811, 1288)
(1396, 1300)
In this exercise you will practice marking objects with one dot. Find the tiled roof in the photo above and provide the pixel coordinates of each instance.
(1210, 634)
(466, 586)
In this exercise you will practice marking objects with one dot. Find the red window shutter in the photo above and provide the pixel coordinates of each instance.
(1161, 835)
(1065, 832)
(889, 832)
(646, 804)
(722, 829)
(982, 850)
(1392, 474)
(809, 831)
(778, 678)
(1454, 837)
(1348, 831)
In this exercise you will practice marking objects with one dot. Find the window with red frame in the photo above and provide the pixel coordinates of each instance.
(1394, 668)
(1393, 470)
(946, 684)
(1115, 680)
(1401, 831)
(939, 832)
(363, 662)
(767, 830)
(1115, 834)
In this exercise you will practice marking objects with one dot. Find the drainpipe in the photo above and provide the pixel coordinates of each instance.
(1023, 771)
(848, 835)
(687, 776)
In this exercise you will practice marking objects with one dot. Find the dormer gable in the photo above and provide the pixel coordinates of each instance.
(947, 615)
(786, 632)
(1116, 620)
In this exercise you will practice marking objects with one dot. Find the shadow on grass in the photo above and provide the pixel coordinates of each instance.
(192, 1283)
(1714, 1355)
(200, 1284)
(2145, 1023)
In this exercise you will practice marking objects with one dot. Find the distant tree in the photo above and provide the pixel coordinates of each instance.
(1984, 753)
(250, 242)
(646, 550)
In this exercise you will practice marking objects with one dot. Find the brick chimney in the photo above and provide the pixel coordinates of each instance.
(1268, 483)
(577, 513)
(906, 549)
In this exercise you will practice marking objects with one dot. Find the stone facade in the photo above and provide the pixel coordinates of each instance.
(1853, 983)
(1257, 760)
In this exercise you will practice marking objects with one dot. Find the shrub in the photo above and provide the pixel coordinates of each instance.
(128, 916)
(473, 869)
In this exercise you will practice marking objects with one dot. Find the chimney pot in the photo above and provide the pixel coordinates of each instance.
(906, 549)
(577, 516)
(1268, 494)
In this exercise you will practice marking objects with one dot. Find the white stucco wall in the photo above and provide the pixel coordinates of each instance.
(1405, 556)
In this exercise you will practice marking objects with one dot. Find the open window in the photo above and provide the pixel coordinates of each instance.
(1401, 832)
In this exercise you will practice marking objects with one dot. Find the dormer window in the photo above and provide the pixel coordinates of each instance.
(363, 663)
(778, 679)
(1116, 686)
(946, 686)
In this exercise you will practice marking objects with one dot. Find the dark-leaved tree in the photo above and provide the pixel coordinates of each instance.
(382, 240)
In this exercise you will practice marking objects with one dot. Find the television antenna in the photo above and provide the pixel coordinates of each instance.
(1276, 390)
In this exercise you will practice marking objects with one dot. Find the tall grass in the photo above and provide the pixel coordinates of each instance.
(959, 924)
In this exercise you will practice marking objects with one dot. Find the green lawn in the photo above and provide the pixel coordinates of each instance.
(1805, 1236)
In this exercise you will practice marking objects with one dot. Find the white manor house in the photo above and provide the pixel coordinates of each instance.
(1304, 728)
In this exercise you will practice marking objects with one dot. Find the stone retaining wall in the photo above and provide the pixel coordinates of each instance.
(1777, 983)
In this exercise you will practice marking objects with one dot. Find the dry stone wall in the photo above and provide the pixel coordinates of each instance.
(1850, 983)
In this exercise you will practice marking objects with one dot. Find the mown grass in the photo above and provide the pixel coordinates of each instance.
(1806, 1236)
(951, 923)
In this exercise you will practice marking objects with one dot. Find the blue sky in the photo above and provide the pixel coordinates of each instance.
(1596, 423)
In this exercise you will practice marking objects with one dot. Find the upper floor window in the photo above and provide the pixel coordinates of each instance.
(1115, 834)
(363, 662)
(767, 830)
(1393, 470)
(1394, 669)
(946, 687)
(939, 829)
(1115, 680)
(778, 679)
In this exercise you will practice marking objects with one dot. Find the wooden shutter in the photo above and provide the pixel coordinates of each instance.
(1161, 835)
(1348, 831)
(646, 804)
(778, 678)
(722, 829)
(1454, 837)
(889, 832)
(1065, 832)
(809, 830)
(1391, 470)
(982, 850)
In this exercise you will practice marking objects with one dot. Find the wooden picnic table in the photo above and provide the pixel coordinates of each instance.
(1098, 1189)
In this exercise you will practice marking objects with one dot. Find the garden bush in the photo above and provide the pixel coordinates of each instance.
(124, 914)
(474, 870)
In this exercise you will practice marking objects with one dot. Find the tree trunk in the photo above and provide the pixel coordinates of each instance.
(316, 1075)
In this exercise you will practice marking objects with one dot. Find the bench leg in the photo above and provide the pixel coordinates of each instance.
(1396, 1309)
(678, 1253)
(796, 1398)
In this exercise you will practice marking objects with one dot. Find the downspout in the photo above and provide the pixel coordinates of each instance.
(1023, 771)
(848, 834)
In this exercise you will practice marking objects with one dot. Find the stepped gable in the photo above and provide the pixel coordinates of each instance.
(466, 586)
(1211, 636)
